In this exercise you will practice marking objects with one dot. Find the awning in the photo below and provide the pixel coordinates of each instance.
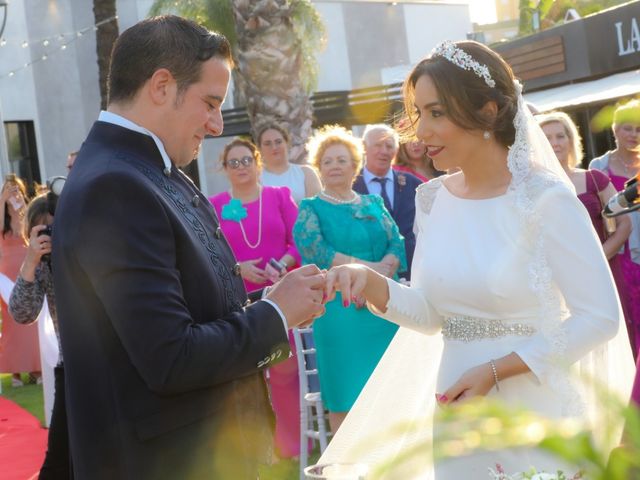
(608, 88)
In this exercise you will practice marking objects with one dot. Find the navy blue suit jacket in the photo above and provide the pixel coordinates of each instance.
(162, 354)
(404, 209)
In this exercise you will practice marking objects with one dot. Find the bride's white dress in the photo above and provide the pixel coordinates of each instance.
(474, 297)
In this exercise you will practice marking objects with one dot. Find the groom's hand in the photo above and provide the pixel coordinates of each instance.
(300, 295)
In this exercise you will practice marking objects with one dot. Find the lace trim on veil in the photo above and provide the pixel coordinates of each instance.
(532, 174)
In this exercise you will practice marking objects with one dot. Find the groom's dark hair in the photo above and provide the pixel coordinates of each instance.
(177, 44)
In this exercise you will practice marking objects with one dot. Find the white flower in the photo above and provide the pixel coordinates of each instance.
(544, 476)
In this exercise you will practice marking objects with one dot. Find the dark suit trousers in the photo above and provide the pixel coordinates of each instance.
(57, 461)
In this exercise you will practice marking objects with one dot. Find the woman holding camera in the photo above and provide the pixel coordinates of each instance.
(33, 283)
(19, 349)
(258, 221)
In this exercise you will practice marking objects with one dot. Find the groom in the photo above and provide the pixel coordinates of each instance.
(163, 355)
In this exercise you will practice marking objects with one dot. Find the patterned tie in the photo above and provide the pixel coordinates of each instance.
(383, 192)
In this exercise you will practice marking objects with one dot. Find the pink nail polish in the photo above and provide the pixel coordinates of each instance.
(345, 303)
(443, 399)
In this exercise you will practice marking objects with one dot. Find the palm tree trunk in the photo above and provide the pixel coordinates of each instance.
(105, 38)
(270, 61)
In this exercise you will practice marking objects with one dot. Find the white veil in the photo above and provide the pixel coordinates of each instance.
(392, 417)
(604, 374)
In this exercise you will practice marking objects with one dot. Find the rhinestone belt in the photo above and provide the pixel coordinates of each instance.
(468, 329)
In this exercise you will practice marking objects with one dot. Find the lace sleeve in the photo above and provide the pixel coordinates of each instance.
(572, 253)
(27, 298)
(395, 239)
(312, 246)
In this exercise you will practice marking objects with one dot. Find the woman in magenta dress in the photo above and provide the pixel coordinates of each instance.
(620, 164)
(594, 189)
(257, 222)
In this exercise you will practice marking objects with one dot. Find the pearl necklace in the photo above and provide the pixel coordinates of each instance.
(244, 234)
(339, 200)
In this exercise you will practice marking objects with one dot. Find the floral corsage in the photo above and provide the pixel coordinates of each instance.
(234, 210)
(368, 211)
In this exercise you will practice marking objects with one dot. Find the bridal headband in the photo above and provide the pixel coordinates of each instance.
(462, 59)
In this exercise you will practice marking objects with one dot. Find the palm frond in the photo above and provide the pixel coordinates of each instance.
(216, 15)
(311, 35)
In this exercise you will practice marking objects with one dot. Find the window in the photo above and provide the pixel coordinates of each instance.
(23, 153)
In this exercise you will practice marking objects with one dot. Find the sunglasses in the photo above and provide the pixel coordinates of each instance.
(236, 162)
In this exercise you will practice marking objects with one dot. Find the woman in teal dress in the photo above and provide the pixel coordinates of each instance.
(335, 227)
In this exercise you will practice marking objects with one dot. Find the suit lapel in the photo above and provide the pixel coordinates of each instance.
(359, 185)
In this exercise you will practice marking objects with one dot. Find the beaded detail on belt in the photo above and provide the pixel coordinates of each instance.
(468, 329)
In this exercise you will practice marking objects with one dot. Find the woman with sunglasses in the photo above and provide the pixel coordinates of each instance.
(258, 222)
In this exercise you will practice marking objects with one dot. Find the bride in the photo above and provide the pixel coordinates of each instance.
(510, 285)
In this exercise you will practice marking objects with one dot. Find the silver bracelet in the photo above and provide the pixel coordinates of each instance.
(495, 374)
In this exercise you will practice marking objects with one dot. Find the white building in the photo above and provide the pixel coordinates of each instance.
(49, 95)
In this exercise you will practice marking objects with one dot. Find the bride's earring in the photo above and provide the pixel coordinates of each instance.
(486, 135)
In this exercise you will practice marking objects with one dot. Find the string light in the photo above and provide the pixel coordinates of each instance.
(58, 36)
(72, 37)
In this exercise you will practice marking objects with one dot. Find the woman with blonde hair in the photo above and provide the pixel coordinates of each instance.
(621, 164)
(594, 189)
(335, 227)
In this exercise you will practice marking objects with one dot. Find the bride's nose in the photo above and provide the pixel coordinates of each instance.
(423, 132)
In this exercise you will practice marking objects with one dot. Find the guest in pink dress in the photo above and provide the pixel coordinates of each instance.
(621, 164)
(594, 190)
(257, 222)
(19, 349)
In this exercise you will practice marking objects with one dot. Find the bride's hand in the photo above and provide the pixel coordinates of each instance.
(476, 381)
(350, 280)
